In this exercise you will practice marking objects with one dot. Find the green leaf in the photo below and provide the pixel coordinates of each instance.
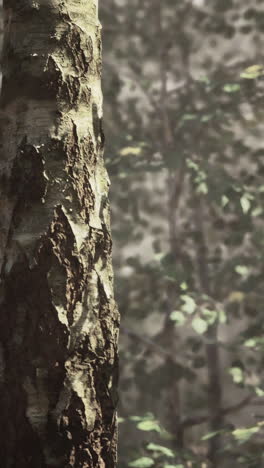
(250, 73)
(231, 88)
(206, 118)
(120, 420)
(130, 151)
(210, 435)
(178, 317)
(149, 426)
(172, 466)
(202, 188)
(259, 392)
(209, 315)
(160, 448)
(143, 462)
(135, 418)
(189, 116)
(199, 325)
(251, 343)
(241, 270)
(224, 200)
(237, 374)
(243, 435)
(189, 304)
(165, 435)
(222, 316)
(204, 79)
(245, 204)
(192, 165)
(257, 212)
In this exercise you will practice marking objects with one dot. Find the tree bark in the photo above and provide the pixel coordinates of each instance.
(58, 318)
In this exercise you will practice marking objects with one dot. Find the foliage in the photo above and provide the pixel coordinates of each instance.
(184, 125)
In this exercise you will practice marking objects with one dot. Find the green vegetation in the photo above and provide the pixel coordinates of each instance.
(183, 84)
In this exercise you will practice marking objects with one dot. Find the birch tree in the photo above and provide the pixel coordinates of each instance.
(58, 318)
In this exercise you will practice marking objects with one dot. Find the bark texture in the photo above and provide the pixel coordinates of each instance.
(58, 319)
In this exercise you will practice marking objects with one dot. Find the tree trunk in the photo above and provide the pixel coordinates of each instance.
(212, 352)
(58, 319)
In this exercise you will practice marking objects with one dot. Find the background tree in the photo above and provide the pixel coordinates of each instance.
(58, 320)
(184, 80)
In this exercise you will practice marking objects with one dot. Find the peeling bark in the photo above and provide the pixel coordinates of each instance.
(58, 318)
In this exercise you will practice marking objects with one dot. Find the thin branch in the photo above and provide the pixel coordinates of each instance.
(195, 421)
(158, 349)
(136, 80)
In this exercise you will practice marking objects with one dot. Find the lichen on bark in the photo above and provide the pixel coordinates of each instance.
(58, 318)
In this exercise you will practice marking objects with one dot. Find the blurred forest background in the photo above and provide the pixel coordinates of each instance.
(184, 121)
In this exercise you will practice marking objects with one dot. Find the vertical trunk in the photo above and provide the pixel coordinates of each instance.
(58, 320)
(214, 395)
(212, 352)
